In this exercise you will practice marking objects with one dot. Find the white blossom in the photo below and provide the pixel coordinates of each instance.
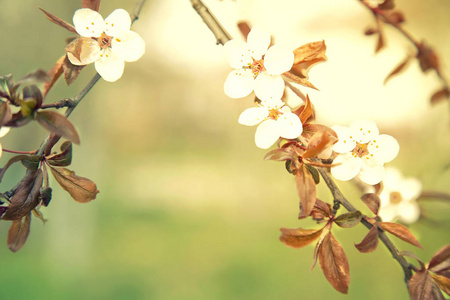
(111, 42)
(3, 132)
(257, 67)
(362, 151)
(275, 120)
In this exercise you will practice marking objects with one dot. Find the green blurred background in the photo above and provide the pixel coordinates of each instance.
(187, 207)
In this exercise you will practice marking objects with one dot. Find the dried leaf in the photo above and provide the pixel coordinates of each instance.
(62, 159)
(71, 71)
(58, 124)
(318, 142)
(26, 197)
(39, 75)
(398, 69)
(31, 92)
(318, 245)
(370, 31)
(307, 56)
(18, 233)
(32, 162)
(5, 113)
(380, 42)
(401, 232)
(310, 129)
(387, 4)
(54, 74)
(92, 4)
(321, 210)
(413, 255)
(428, 58)
(299, 80)
(307, 111)
(81, 189)
(314, 173)
(440, 263)
(3, 209)
(244, 28)
(372, 201)
(349, 219)
(440, 95)
(443, 282)
(75, 46)
(422, 287)
(306, 189)
(334, 263)
(59, 21)
(45, 195)
(370, 242)
(7, 84)
(298, 238)
(281, 154)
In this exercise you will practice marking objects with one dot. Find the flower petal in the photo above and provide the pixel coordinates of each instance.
(129, 45)
(389, 213)
(237, 53)
(275, 104)
(325, 153)
(239, 83)
(372, 171)
(364, 130)
(347, 166)
(346, 141)
(110, 66)
(409, 212)
(4, 131)
(290, 126)
(90, 51)
(269, 87)
(278, 60)
(253, 115)
(258, 42)
(118, 21)
(384, 148)
(267, 133)
(88, 22)
(410, 188)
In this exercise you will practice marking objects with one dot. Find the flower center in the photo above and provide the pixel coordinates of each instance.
(104, 41)
(257, 67)
(360, 150)
(395, 197)
(274, 113)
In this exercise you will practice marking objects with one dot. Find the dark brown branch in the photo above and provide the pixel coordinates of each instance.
(60, 104)
(337, 195)
(222, 36)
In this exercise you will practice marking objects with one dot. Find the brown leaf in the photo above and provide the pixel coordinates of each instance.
(54, 73)
(307, 56)
(428, 58)
(387, 4)
(310, 129)
(422, 287)
(306, 189)
(401, 232)
(81, 189)
(349, 219)
(370, 31)
(394, 17)
(62, 159)
(372, 201)
(92, 4)
(18, 233)
(5, 113)
(440, 95)
(75, 46)
(306, 112)
(298, 238)
(398, 69)
(59, 21)
(380, 42)
(370, 242)
(334, 263)
(318, 142)
(58, 124)
(281, 154)
(244, 28)
(26, 197)
(299, 80)
(321, 210)
(71, 71)
(443, 282)
(440, 263)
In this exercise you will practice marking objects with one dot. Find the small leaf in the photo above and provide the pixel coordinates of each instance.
(370, 242)
(440, 95)
(422, 287)
(10, 162)
(334, 263)
(349, 219)
(317, 143)
(81, 189)
(7, 84)
(281, 154)
(372, 201)
(298, 238)
(306, 56)
(3, 209)
(244, 28)
(443, 282)
(92, 4)
(428, 58)
(413, 255)
(380, 42)
(308, 111)
(306, 189)
(310, 129)
(64, 158)
(71, 71)
(45, 195)
(57, 123)
(31, 162)
(398, 69)
(299, 80)
(440, 263)
(53, 75)
(39, 75)
(32, 92)
(5, 113)
(26, 197)
(18, 233)
(401, 232)
(59, 21)
(387, 4)
(314, 173)
(321, 210)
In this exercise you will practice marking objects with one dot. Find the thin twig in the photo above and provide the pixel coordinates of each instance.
(60, 104)
(432, 195)
(20, 152)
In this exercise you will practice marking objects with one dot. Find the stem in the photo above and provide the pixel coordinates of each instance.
(60, 104)
(20, 152)
(337, 195)
(431, 194)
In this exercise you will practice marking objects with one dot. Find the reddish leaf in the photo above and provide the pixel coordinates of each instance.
(244, 28)
(307, 56)
(428, 58)
(81, 189)
(319, 244)
(62, 159)
(318, 142)
(422, 287)
(71, 71)
(413, 255)
(58, 124)
(443, 282)
(370, 31)
(5, 113)
(398, 69)
(401, 232)
(372, 201)
(26, 197)
(298, 238)
(387, 4)
(349, 219)
(92, 4)
(299, 80)
(314, 173)
(59, 21)
(321, 210)
(281, 154)
(380, 42)
(440, 95)
(306, 188)
(370, 242)
(54, 73)
(440, 263)
(308, 111)
(310, 129)
(18, 233)
(334, 263)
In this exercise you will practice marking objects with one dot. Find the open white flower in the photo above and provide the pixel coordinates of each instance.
(111, 42)
(257, 68)
(363, 150)
(398, 198)
(275, 120)
(3, 132)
